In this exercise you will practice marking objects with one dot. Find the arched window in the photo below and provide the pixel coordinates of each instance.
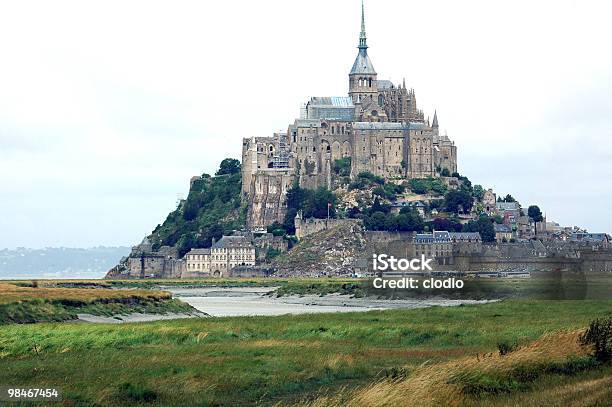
(370, 84)
(381, 100)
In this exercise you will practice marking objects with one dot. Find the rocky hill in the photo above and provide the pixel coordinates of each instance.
(331, 252)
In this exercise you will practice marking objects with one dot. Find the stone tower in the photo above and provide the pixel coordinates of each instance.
(362, 78)
(435, 127)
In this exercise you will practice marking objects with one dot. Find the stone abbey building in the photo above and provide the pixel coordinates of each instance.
(378, 125)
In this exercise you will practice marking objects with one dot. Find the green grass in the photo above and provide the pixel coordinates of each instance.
(542, 285)
(23, 304)
(245, 360)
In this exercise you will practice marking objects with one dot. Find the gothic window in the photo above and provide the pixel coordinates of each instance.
(370, 83)
(381, 100)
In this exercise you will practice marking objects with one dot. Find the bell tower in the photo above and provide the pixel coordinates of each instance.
(362, 78)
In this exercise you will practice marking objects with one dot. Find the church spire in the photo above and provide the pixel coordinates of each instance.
(435, 120)
(363, 43)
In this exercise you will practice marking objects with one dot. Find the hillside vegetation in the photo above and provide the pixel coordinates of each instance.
(212, 208)
(20, 304)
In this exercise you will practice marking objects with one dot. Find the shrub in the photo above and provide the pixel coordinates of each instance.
(505, 347)
(418, 186)
(342, 166)
(136, 393)
(599, 335)
(272, 253)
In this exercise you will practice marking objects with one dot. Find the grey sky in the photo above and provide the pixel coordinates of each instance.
(108, 108)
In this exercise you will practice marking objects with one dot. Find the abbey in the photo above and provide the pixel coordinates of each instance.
(378, 125)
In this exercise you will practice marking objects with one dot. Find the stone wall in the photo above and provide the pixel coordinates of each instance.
(153, 265)
(266, 197)
(269, 241)
(305, 227)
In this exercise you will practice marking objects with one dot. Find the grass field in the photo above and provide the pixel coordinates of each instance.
(555, 285)
(23, 304)
(320, 359)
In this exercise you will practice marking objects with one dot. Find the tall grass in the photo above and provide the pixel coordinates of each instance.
(268, 360)
(452, 383)
(13, 293)
(20, 304)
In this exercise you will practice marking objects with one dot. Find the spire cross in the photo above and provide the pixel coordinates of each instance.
(362, 37)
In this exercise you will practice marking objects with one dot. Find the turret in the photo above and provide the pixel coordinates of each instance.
(434, 125)
(363, 78)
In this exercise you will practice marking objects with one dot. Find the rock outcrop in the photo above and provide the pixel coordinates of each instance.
(330, 252)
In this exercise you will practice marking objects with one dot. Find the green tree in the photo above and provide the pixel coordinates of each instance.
(342, 166)
(446, 224)
(272, 253)
(186, 243)
(535, 214)
(458, 200)
(418, 186)
(509, 198)
(484, 226)
(409, 221)
(438, 186)
(478, 192)
(320, 201)
(376, 221)
(289, 221)
(390, 223)
(445, 172)
(212, 205)
(229, 166)
(276, 228)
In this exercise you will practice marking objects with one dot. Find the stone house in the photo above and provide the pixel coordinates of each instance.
(437, 245)
(489, 202)
(503, 232)
(221, 258)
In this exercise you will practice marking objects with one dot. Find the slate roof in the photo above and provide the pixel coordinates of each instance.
(435, 237)
(199, 251)
(362, 64)
(507, 206)
(595, 237)
(227, 242)
(379, 126)
(462, 236)
(384, 84)
(336, 101)
(501, 228)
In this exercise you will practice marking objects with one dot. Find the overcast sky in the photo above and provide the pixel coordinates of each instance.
(108, 108)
